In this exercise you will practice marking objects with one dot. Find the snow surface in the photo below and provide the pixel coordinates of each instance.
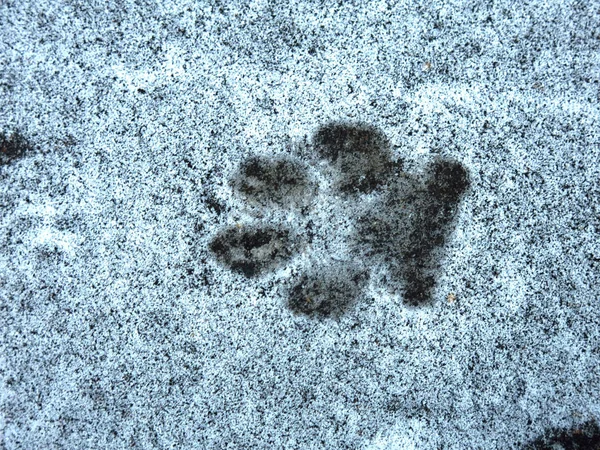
(120, 329)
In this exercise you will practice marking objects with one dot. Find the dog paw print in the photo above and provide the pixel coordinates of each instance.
(355, 209)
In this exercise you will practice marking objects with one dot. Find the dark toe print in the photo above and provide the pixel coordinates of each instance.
(360, 153)
(409, 226)
(327, 292)
(584, 437)
(12, 147)
(447, 181)
(252, 251)
(283, 182)
(403, 226)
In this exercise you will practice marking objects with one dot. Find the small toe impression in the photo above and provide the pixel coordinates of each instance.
(252, 252)
(448, 180)
(329, 292)
(280, 182)
(12, 147)
(361, 154)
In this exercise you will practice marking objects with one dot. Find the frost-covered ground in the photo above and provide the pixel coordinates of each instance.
(165, 284)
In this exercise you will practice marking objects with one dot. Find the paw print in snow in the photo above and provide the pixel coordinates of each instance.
(367, 212)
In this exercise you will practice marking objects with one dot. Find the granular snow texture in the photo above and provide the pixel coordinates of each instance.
(299, 225)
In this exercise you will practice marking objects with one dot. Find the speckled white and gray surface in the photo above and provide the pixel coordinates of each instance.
(120, 329)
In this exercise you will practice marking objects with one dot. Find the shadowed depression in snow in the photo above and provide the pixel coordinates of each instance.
(404, 228)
